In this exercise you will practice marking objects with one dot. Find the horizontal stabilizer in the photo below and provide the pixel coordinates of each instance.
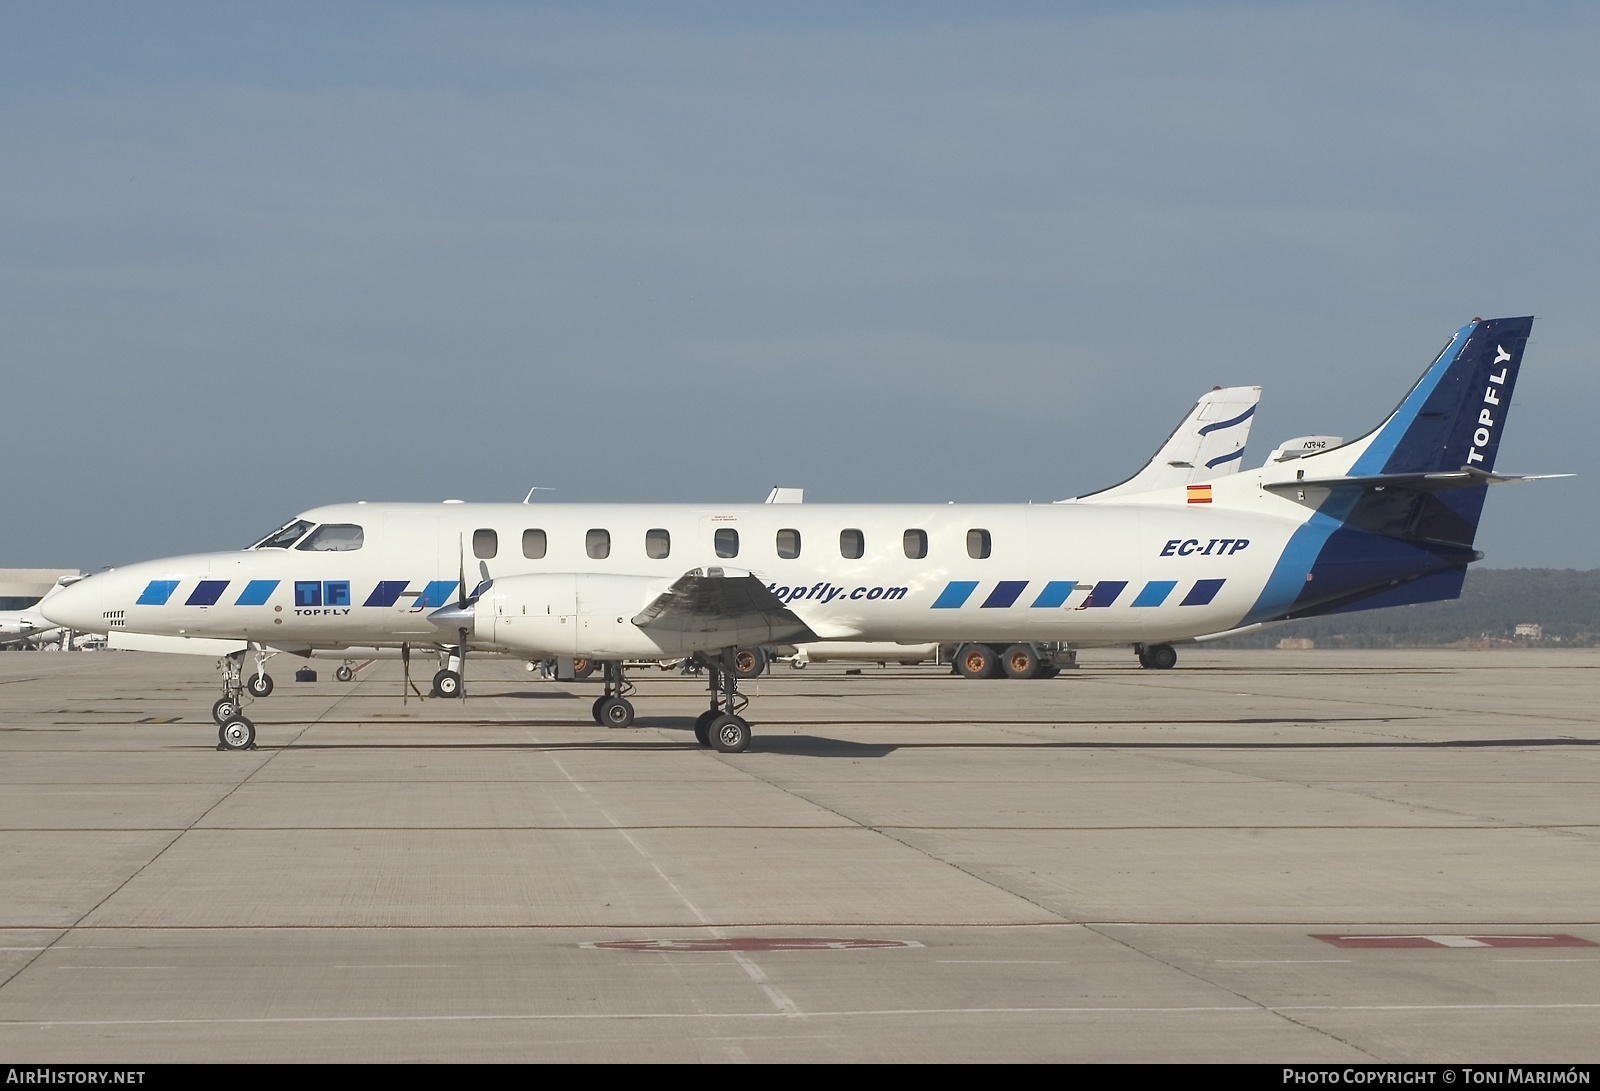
(1437, 481)
(724, 600)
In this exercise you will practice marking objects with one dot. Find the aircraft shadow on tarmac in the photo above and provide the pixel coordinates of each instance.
(821, 746)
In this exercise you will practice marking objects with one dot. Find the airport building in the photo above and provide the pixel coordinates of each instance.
(20, 588)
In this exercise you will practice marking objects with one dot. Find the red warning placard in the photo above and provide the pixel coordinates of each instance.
(1432, 939)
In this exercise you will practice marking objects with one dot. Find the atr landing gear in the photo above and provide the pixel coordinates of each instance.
(1158, 657)
(613, 709)
(259, 685)
(721, 727)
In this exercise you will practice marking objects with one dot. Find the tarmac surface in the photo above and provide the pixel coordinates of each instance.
(1112, 865)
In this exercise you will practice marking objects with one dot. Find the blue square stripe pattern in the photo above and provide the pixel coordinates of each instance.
(1105, 593)
(1005, 593)
(1054, 595)
(1155, 592)
(207, 592)
(256, 593)
(387, 593)
(1202, 593)
(955, 593)
(437, 593)
(157, 592)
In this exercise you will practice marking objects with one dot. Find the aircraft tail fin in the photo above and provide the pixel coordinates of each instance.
(1207, 444)
(1397, 511)
(1455, 415)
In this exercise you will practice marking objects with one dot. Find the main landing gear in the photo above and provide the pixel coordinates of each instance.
(612, 708)
(721, 727)
(1156, 657)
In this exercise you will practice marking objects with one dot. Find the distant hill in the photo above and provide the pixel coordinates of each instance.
(1564, 602)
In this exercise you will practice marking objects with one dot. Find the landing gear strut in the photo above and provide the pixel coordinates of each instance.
(232, 667)
(447, 683)
(612, 708)
(234, 731)
(721, 727)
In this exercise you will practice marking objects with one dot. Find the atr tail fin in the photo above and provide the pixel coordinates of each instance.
(1453, 418)
(1207, 444)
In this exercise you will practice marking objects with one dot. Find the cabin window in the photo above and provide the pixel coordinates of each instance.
(978, 544)
(333, 538)
(916, 544)
(597, 543)
(657, 544)
(533, 544)
(282, 538)
(485, 544)
(727, 542)
(852, 544)
(788, 544)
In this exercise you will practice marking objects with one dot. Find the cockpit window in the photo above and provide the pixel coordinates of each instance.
(333, 538)
(285, 536)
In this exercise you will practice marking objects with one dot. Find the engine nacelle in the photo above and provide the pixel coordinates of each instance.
(569, 614)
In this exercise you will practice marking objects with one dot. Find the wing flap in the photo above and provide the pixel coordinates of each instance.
(728, 602)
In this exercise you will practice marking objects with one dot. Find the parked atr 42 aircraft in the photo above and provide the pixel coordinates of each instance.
(1387, 519)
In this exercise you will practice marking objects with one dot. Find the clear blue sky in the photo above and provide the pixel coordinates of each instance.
(261, 257)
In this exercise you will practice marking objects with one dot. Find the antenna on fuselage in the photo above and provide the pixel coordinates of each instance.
(538, 488)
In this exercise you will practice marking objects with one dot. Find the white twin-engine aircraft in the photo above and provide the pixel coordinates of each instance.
(1384, 520)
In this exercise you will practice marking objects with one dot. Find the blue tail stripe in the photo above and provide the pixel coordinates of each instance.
(1221, 424)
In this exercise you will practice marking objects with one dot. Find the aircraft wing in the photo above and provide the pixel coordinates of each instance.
(724, 601)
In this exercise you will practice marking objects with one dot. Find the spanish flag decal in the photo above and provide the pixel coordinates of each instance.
(1199, 494)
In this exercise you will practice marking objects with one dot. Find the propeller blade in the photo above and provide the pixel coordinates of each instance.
(461, 690)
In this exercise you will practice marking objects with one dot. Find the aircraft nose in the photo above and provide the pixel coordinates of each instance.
(76, 607)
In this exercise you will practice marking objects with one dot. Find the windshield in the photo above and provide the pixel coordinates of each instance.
(333, 538)
(285, 536)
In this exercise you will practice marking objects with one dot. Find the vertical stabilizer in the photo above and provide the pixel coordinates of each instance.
(1207, 444)
(1454, 417)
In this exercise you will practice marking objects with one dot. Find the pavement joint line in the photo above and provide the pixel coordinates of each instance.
(781, 1000)
(162, 851)
(845, 1013)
